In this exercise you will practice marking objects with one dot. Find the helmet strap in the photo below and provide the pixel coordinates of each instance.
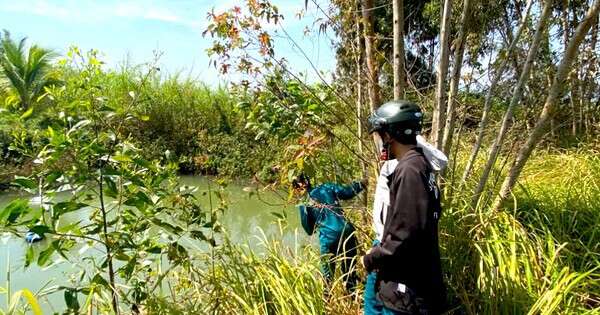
(387, 148)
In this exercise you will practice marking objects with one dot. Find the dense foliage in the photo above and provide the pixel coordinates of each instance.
(115, 141)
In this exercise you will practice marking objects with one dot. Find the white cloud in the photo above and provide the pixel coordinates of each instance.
(87, 11)
(153, 12)
(41, 8)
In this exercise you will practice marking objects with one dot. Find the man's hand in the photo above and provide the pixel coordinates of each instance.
(362, 259)
(364, 182)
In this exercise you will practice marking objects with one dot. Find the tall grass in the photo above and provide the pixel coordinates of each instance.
(197, 124)
(265, 278)
(537, 256)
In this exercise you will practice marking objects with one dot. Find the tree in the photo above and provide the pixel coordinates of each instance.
(515, 99)
(398, 49)
(513, 40)
(26, 71)
(371, 60)
(549, 105)
(442, 72)
(359, 108)
(459, 51)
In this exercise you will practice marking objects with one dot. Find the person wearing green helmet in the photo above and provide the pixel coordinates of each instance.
(407, 260)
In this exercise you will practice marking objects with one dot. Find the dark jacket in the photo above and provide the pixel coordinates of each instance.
(409, 251)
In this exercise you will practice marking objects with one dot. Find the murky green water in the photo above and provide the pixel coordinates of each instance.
(245, 218)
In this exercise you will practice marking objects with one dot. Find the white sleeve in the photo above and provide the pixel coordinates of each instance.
(436, 158)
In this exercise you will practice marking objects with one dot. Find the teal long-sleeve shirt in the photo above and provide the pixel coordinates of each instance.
(327, 197)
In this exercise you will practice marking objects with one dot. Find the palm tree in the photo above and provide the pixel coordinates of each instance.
(25, 71)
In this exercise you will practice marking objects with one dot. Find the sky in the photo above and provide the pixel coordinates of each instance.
(131, 30)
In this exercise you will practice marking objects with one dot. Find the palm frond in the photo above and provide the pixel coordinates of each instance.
(25, 71)
(14, 54)
(38, 64)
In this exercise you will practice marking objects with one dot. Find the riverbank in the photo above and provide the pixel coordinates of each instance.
(247, 218)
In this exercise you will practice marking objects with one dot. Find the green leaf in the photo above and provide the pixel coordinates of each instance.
(111, 188)
(34, 215)
(29, 256)
(278, 215)
(140, 200)
(106, 108)
(40, 230)
(50, 132)
(143, 163)
(156, 249)
(167, 226)
(13, 211)
(122, 158)
(71, 300)
(62, 246)
(80, 125)
(200, 236)
(67, 206)
(143, 197)
(28, 113)
(25, 182)
(176, 252)
(72, 228)
(53, 176)
(45, 256)
(99, 280)
(121, 256)
(129, 268)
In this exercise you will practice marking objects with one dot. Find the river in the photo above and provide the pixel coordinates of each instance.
(244, 218)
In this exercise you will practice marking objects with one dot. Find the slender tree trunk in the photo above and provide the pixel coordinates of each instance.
(359, 102)
(458, 60)
(589, 79)
(442, 72)
(516, 98)
(372, 66)
(564, 19)
(549, 106)
(513, 54)
(490, 92)
(399, 49)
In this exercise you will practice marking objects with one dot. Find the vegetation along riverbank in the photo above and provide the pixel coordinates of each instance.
(510, 93)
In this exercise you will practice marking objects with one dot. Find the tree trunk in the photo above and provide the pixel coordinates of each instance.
(490, 92)
(359, 102)
(458, 60)
(516, 98)
(513, 54)
(442, 72)
(372, 67)
(589, 80)
(549, 106)
(399, 49)
(572, 84)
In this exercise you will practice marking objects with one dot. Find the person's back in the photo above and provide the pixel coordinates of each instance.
(413, 216)
(326, 197)
(407, 261)
(336, 233)
(381, 201)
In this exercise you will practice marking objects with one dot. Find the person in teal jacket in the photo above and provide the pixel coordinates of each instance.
(323, 211)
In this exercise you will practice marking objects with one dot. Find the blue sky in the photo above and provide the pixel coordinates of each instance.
(133, 29)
